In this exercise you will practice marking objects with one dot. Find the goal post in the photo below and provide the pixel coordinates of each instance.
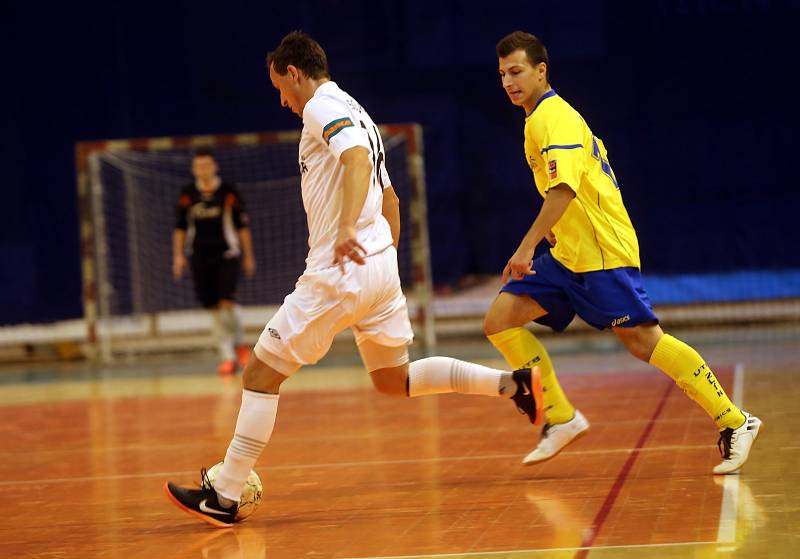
(128, 191)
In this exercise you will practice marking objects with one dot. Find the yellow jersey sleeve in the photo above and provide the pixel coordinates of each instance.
(560, 143)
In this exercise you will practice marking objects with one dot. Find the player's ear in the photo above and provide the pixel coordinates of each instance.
(293, 71)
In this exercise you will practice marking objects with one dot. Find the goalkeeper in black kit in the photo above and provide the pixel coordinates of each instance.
(212, 229)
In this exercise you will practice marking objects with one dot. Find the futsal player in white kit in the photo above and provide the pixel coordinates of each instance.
(351, 281)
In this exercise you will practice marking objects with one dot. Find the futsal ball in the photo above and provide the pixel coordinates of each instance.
(251, 494)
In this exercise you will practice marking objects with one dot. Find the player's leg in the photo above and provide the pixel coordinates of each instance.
(541, 298)
(229, 329)
(218, 505)
(504, 327)
(383, 333)
(228, 278)
(300, 333)
(205, 274)
(738, 429)
(393, 375)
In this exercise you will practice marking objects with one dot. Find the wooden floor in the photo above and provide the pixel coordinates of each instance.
(352, 474)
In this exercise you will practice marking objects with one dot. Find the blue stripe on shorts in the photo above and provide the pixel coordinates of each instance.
(603, 299)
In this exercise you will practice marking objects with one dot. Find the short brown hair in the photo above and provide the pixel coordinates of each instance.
(203, 151)
(533, 47)
(301, 51)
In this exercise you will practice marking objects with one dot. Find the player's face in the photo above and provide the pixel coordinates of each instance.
(289, 87)
(524, 83)
(204, 168)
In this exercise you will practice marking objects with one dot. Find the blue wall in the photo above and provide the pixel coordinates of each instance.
(691, 97)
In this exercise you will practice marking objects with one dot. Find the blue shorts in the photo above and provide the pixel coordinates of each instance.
(603, 299)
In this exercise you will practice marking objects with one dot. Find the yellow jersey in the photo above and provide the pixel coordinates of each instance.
(595, 232)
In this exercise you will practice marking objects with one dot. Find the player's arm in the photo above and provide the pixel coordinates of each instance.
(178, 258)
(391, 211)
(179, 236)
(555, 204)
(356, 180)
(241, 221)
(248, 260)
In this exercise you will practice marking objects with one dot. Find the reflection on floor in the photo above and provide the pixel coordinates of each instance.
(350, 473)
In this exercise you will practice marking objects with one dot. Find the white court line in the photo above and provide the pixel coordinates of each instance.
(730, 490)
(665, 448)
(527, 552)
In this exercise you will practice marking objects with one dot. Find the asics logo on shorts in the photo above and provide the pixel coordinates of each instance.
(620, 320)
(274, 333)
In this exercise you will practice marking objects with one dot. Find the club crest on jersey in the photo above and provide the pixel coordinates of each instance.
(552, 169)
(334, 127)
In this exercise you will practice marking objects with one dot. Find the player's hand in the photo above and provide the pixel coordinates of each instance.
(249, 265)
(347, 246)
(178, 266)
(551, 238)
(519, 265)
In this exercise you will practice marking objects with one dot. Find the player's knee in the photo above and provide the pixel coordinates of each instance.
(638, 346)
(392, 381)
(510, 311)
(641, 340)
(494, 322)
(638, 350)
(260, 377)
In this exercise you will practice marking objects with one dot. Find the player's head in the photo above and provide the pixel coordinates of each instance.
(524, 68)
(296, 68)
(204, 165)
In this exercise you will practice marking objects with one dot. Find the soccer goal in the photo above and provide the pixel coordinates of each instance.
(128, 191)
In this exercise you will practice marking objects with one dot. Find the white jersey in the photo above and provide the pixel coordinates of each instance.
(334, 122)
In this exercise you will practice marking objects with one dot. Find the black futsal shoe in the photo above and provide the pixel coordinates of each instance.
(202, 502)
(528, 396)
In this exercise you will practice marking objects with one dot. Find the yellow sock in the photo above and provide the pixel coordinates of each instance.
(691, 373)
(521, 349)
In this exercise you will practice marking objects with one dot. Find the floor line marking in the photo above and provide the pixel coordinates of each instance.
(600, 451)
(515, 552)
(730, 488)
(605, 509)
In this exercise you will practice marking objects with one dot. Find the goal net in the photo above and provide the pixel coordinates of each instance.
(128, 193)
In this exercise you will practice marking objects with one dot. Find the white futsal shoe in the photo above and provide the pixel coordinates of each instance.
(555, 436)
(735, 444)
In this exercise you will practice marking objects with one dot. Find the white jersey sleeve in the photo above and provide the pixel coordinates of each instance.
(386, 182)
(332, 120)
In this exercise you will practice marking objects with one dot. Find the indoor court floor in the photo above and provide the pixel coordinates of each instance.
(351, 474)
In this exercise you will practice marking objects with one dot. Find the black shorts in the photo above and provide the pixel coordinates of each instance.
(215, 278)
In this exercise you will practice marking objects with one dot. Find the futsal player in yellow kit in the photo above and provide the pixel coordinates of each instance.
(592, 268)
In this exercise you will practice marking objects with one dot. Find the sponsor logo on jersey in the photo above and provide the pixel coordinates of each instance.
(552, 170)
(201, 211)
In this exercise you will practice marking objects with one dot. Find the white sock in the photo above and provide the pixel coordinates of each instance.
(253, 430)
(222, 333)
(236, 325)
(440, 375)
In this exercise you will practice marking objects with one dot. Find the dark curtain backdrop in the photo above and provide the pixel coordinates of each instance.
(693, 99)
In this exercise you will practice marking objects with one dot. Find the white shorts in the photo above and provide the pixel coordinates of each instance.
(367, 299)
